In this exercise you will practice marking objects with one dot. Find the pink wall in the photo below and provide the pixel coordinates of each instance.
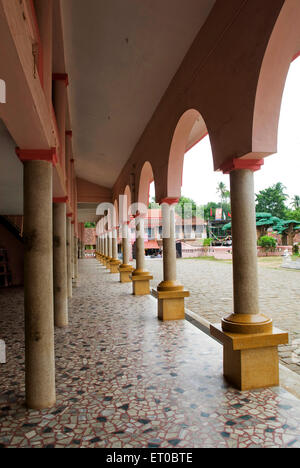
(15, 255)
(224, 253)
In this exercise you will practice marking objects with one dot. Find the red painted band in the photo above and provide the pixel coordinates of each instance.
(69, 133)
(61, 200)
(61, 77)
(234, 164)
(38, 155)
(69, 215)
(169, 201)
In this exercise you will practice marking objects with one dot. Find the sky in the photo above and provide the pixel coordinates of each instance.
(200, 180)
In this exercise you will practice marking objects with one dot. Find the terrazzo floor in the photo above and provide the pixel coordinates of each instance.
(124, 379)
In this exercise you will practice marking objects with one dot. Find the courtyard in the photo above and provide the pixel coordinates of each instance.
(210, 286)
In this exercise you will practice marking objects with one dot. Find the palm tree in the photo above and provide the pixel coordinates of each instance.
(223, 192)
(296, 202)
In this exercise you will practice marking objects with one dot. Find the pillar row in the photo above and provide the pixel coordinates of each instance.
(69, 256)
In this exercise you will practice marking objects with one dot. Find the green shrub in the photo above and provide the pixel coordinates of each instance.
(267, 242)
(296, 249)
(207, 242)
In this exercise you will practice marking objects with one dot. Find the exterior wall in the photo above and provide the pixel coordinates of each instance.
(225, 253)
(90, 236)
(15, 250)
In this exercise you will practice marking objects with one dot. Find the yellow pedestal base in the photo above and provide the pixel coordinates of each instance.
(114, 266)
(250, 360)
(141, 284)
(170, 304)
(125, 273)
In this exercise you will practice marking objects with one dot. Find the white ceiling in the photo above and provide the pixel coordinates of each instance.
(121, 56)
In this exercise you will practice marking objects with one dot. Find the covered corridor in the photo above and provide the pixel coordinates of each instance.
(98, 102)
(126, 380)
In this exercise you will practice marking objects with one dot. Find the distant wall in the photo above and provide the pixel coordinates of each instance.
(225, 253)
(15, 250)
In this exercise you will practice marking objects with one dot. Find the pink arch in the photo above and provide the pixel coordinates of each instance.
(179, 147)
(146, 178)
(283, 47)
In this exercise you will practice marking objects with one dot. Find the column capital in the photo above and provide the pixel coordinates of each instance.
(48, 155)
(61, 200)
(61, 77)
(169, 201)
(237, 163)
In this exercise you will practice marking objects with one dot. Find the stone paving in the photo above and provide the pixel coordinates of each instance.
(125, 379)
(210, 285)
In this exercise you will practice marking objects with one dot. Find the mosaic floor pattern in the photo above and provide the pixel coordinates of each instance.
(124, 379)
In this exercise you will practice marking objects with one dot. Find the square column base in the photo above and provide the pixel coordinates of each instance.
(170, 304)
(125, 274)
(250, 361)
(141, 285)
(114, 267)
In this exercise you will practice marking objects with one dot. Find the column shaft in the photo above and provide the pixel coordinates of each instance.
(246, 318)
(140, 247)
(69, 256)
(169, 251)
(38, 286)
(125, 245)
(60, 265)
(244, 247)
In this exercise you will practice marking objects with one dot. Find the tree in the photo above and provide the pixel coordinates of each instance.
(223, 192)
(293, 214)
(267, 242)
(187, 208)
(272, 200)
(296, 202)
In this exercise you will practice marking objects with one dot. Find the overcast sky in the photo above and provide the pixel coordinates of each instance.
(200, 180)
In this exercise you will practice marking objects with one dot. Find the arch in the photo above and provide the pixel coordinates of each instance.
(283, 47)
(116, 214)
(190, 129)
(145, 179)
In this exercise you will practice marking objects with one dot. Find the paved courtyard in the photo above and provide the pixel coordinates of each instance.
(210, 285)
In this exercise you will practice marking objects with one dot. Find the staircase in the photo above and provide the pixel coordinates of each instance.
(14, 225)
